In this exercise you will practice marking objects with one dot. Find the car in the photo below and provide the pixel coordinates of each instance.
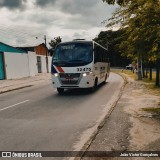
(129, 67)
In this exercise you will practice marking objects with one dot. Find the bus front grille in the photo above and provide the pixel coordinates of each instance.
(69, 78)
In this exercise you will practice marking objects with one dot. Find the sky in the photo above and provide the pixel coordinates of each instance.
(25, 22)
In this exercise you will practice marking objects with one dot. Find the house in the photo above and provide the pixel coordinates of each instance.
(7, 60)
(40, 49)
(23, 61)
(43, 56)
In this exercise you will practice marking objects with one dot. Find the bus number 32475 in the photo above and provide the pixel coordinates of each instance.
(83, 69)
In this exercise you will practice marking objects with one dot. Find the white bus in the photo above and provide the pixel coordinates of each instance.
(79, 64)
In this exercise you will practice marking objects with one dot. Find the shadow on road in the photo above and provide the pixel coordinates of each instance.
(80, 91)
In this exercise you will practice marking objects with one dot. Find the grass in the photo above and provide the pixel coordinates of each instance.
(134, 75)
(154, 111)
(150, 84)
(128, 72)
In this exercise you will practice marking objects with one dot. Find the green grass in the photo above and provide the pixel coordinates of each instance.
(128, 72)
(152, 110)
(134, 75)
(150, 84)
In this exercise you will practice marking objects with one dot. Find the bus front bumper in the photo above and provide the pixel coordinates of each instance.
(84, 81)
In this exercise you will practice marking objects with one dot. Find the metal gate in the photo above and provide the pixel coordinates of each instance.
(39, 64)
(1, 66)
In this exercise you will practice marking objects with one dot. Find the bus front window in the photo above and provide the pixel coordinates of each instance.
(75, 53)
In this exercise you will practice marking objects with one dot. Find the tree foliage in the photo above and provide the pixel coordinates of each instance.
(111, 40)
(55, 42)
(140, 18)
(119, 2)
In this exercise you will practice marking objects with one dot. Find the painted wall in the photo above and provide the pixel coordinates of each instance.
(24, 65)
(43, 63)
(17, 65)
(43, 60)
(49, 63)
(32, 63)
(41, 50)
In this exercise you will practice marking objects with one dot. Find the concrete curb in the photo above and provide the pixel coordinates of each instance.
(102, 123)
(30, 84)
(14, 89)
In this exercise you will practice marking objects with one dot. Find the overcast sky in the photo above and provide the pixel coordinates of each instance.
(21, 21)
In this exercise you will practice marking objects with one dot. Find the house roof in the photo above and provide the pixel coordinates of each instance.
(30, 48)
(7, 48)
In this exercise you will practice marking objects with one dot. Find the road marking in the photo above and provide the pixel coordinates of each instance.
(14, 105)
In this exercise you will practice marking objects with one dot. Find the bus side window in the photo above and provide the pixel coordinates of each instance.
(96, 54)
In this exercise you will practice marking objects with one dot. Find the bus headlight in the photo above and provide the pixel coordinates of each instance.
(87, 73)
(84, 74)
(55, 74)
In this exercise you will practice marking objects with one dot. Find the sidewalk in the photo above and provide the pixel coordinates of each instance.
(10, 85)
(130, 127)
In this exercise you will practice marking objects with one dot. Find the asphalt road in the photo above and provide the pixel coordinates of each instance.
(38, 119)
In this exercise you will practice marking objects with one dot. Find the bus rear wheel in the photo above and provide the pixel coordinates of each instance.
(60, 90)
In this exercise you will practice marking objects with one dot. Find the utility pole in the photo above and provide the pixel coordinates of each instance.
(46, 54)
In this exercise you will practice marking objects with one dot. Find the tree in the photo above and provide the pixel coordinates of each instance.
(141, 20)
(119, 2)
(111, 40)
(55, 42)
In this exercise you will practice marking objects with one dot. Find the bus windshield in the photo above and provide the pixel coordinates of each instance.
(73, 54)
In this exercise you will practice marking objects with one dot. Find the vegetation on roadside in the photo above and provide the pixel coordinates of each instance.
(141, 32)
(150, 84)
(154, 111)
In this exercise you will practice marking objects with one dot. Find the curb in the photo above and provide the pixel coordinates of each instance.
(102, 123)
(1, 92)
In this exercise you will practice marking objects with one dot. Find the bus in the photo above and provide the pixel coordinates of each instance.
(79, 64)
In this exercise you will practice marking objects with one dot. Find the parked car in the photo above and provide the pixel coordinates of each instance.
(129, 67)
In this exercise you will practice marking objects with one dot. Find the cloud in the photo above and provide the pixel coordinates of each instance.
(78, 6)
(44, 3)
(13, 4)
(66, 18)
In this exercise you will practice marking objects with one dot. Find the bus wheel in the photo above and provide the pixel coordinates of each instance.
(95, 85)
(105, 79)
(60, 90)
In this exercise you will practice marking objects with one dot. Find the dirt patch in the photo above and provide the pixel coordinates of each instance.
(144, 109)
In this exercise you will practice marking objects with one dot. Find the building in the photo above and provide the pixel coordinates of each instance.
(6, 61)
(43, 56)
(40, 49)
(23, 61)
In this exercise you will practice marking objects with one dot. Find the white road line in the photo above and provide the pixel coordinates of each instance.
(14, 105)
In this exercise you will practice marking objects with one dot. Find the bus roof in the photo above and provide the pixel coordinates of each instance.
(83, 41)
(76, 41)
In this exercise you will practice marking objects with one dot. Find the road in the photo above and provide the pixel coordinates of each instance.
(38, 119)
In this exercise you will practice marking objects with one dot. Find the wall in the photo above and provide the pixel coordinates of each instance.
(24, 65)
(43, 63)
(43, 60)
(49, 63)
(32, 63)
(17, 65)
(41, 50)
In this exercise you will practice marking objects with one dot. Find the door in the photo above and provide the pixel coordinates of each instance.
(1, 66)
(39, 64)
